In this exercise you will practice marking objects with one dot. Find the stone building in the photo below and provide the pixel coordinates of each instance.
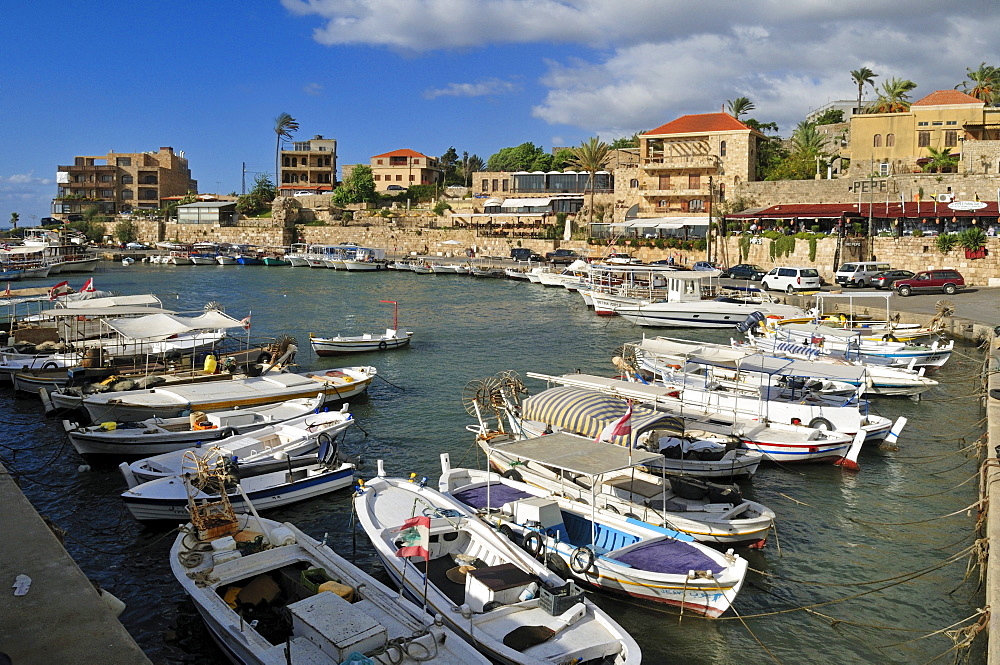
(121, 182)
(895, 143)
(309, 166)
(399, 169)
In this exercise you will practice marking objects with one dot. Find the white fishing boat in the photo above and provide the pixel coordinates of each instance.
(269, 594)
(291, 438)
(614, 553)
(173, 401)
(126, 262)
(226, 260)
(392, 338)
(296, 255)
(155, 436)
(180, 258)
(490, 592)
(363, 259)
(267, 485)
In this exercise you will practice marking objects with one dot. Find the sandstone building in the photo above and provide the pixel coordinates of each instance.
(399, 169)
(309, 166)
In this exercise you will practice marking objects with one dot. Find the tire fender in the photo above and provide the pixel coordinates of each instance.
(581, 560)
(512, 474)
(50, 364)
(821, 423)
(532, 543)
(382, 346)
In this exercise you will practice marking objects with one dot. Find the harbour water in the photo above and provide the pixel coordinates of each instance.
(850, 544)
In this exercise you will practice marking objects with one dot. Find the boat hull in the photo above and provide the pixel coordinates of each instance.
(333, 347)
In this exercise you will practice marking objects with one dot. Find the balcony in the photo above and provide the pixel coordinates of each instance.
(676, 193)
(680, 162)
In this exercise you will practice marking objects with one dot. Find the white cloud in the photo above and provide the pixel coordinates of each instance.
(314, 89)
(25, 179)
(482, 88)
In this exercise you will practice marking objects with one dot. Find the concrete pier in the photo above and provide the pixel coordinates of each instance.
(991, 490)
(61, 619)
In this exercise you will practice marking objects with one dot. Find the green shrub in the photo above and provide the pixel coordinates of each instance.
(917, 233)
(812, 250)
(946, 242)
(972, 239)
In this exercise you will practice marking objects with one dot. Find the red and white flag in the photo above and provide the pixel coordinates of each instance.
(246, 322)
(6, 294)
(60, 289)
(415, 536)
(620, 427)
(88, 287)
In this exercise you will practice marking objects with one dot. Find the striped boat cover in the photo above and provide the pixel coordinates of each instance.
(587, 412)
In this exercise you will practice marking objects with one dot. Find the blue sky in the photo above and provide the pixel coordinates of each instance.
(209, 77)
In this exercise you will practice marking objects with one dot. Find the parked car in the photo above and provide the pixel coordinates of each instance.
(136, 245)
(749, 271)
(946, 281)
(303, 192)
(705, 266)
(622, 259)
(524, 254)
(791, 279)
(395, 188)
(565, 256)
(860, 274)
(885, 280)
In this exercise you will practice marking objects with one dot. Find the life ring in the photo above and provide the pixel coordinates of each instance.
(264, 357)
(581, 560)
(512, 474)
(382, 346)
(821, 423)
(507, 532)
(532, 543)
(889, 338)
(51, 364)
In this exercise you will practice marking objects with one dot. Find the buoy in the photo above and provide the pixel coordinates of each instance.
(83, 468)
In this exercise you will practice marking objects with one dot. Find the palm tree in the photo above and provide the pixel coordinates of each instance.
(807, 141)
(861, 77)
(942, 161)
(982, 83)
(894, 97)
(284, 126)
(589, 156)
(740, 106)
(471, 164)
(13, 219)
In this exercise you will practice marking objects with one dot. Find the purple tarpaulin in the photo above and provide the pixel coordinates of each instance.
(499, 495)
(669, 556)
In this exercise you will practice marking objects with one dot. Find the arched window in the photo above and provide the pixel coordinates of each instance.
(722, 191)
(722, 148)
(878, 141)
(890, 140)
(634, 183)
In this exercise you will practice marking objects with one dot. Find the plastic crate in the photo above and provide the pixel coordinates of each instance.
(558, 600)
(312, 578)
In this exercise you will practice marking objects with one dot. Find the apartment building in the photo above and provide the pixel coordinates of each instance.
(308, 166)
(687, 163)
(887, 144)
(397, 170)
(121, 182)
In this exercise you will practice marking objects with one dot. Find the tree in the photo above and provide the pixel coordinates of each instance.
(519, 158)
(357, 187)
(258, 198)
(590, 156)
(894, 97)
(627, 141)
(449, 162)
(982, 83)
(861, 78)
(770, 151)
(14, 217)
(126, 231)
(563, 159)
(284, 126)
(941, 161)
(471, 164)
(830, 117)
(740, 106)
(806, 140)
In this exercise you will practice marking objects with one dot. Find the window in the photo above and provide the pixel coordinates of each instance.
(695, 205)
(890, 140)
(377, 177)
(107, 193)
(107, 178)
(664, 182)
(123, 161)
(126, 180)
(634, 183)
(722, 191)
(694, 181)
(416, 160)
(495, 183)
(923, 139)
(662, 203)
(921, 124)
(878, 141)
(883, 169)
(950, 138)
(722, 149)
(951, 122)
(399, 178)
(503, 185)
(378, 161)
(937, 123)
(486, 185)
(411, 177)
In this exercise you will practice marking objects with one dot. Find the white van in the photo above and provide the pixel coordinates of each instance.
(860, 274)
(791, 280)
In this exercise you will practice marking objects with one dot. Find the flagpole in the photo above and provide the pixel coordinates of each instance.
(402, 580)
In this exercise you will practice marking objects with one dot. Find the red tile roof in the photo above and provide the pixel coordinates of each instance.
(943, 97)
(702, 122)
(405, 152)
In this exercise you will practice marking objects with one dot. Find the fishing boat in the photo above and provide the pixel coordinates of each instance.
(292, 438)
(268, 593)
(173, 401)
(363, 259)
(598, 546)
(296, 255)
(155, 436)
(490, 592)
(226, 260)
(204, 258)
(281, 482)
(276, 260)
(392, 338)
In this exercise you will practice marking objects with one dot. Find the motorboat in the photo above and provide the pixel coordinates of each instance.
(291, 438)
(268, 593)
(155, 436)
(281, 482)
(598, 546)
(486, 589)
(393, 338)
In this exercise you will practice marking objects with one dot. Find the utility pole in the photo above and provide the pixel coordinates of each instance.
(243, 186)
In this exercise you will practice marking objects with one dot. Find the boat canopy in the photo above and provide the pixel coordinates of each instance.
(665, 347)
(818, 330)
(124, 310)
(115, 301)
(163, 326)
(789, 367)
(588, 412)
(577, 454)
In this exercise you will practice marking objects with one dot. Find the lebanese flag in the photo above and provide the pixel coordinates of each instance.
(620, 427)
(6, 294)
(60, 289)
(88, 287)
(246, 321)
(415, 536)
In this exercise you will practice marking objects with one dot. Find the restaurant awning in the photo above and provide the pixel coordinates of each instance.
(525, 203)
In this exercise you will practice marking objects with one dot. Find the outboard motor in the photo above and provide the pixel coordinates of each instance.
(750, 322)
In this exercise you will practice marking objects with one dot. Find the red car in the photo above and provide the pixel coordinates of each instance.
(946, 281)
